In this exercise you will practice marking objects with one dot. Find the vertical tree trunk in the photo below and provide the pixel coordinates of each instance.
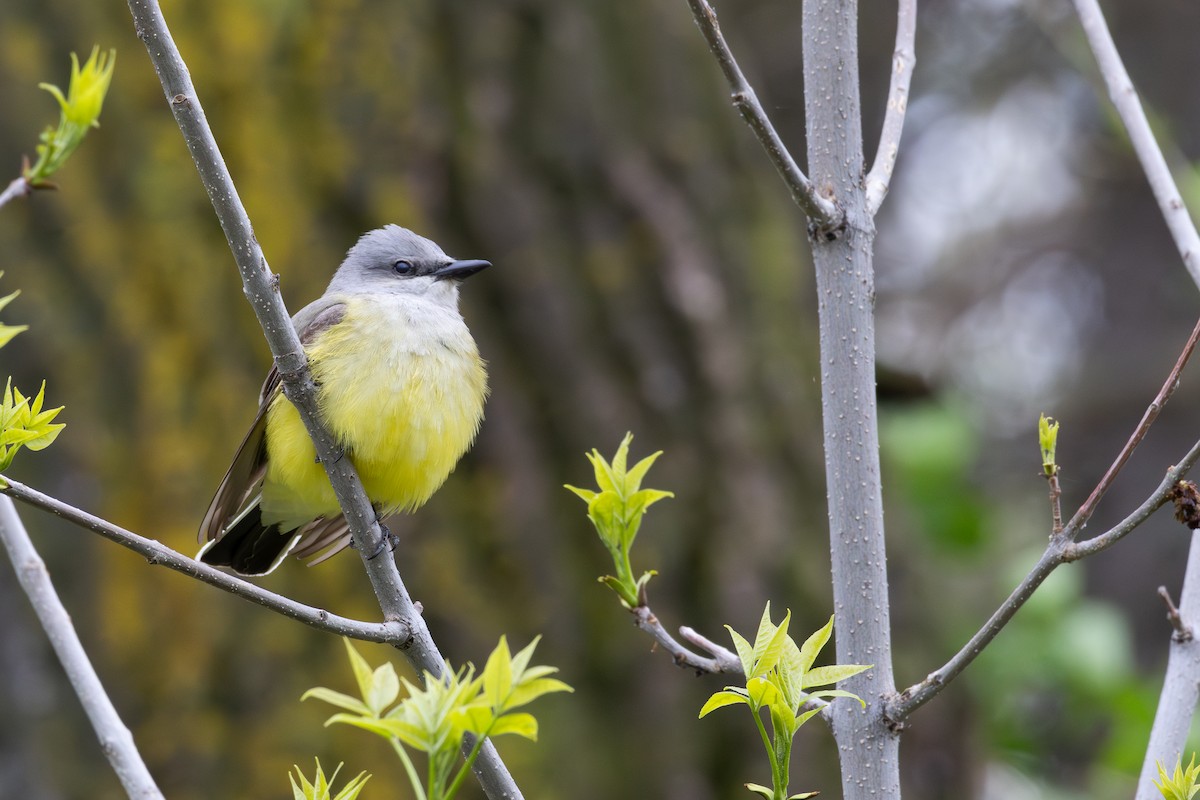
(846, 293)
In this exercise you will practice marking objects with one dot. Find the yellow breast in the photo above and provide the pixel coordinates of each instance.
(401, 387)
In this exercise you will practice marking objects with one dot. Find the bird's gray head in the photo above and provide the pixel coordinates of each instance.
(395, 260)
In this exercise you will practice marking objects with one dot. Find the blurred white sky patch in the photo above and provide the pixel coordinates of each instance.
(969, 173)
(973, 293)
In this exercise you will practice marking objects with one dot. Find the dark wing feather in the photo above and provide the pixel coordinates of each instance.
(243, 481)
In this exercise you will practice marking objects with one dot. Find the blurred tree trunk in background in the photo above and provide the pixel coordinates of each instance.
(652, 275)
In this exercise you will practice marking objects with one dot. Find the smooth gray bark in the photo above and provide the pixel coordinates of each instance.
(1181, 690)
(843, 259)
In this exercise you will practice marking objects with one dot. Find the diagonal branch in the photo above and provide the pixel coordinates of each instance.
(1060, 551)
(903, 60)
(823, 212)
(1125, 99)
(262, 290)
(394, 633)
(1152, 411)
(115, 739)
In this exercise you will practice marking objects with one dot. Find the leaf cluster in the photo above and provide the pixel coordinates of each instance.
(1184, 784)
(616, 511)
(79, 113)
(23, 423)
(320, 787)
(779, 675)
(436, 719)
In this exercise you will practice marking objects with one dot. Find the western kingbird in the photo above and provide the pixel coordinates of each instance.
(400, 386)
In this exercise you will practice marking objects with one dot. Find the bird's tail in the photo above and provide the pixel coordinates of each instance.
(248, 547)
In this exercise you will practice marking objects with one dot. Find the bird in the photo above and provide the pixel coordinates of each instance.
(400, 386)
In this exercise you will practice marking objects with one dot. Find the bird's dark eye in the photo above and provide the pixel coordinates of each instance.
(402, 267)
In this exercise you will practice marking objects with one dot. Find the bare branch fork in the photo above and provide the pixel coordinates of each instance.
(1062, 548)
(823, 212)
(1178, 700)
(904, 59)
(115, 739)
(395, 633)
(261, 289)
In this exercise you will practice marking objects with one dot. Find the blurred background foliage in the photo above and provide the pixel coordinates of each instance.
(651, 275)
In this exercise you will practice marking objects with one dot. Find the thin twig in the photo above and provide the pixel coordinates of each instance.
(1129, 107)
(115, 739)
(1183, 633)
(903, 60)
(1164, 394)
(722, 661)
(1059, 551)
(262, 291)
(1079, 550)
(18, 188)
(823, 212)
(394, 633)
(1056, 523)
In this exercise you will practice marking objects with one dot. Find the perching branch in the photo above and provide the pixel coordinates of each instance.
(903, 60)
(394, 633)
(1059, 551)
(1129, 107)
(261, 289)
(115, 739)
(823, 212)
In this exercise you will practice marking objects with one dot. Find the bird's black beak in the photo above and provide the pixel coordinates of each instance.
(457, 270)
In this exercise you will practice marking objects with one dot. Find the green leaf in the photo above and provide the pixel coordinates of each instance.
(761, 790)
(805, 717)
(744, 649)
(803, 795)
(822, 676)
(338, 699)
(839, 693)
(521, 724)
(497, 676)
(603, 472)
(363, 674)
(728, 696)
(634, 478)
(768, 649)
(385, 688)
(618, 465)
(529, 691)
(813, 645)
(587, 495)
(762, 692)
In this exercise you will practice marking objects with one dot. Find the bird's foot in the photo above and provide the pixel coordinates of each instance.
(341, 452)
(386, 540)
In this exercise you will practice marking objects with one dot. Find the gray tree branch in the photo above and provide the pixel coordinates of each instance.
(1181, 690)
(19, 187)
(115, 739)
(261, 289)
(1129, 107)
(845, 278)
(820, 209)
(1179, 697)
(1060, 550)
(394, 632)
(904, 59)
